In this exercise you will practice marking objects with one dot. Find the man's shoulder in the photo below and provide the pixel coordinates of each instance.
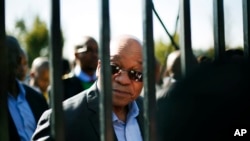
(69, 76)
(139, 99)
(85, 96)
(78, 97)
(30, 90)
(35, 98)
(71, 79)
(139, 102)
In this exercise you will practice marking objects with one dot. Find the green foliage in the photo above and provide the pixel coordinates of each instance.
(19, 31)
(162, 50)
(36, 39)
(20, 24)
(210, 53)
(207, 53)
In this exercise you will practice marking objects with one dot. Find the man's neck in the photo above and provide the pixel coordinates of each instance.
(121, 112)
(13, 88)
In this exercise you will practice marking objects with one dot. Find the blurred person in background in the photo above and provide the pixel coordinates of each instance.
(23, 68)
(83, 74)
(39, 76)
(25, 105)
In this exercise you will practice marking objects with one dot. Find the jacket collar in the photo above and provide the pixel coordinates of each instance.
(93, 104)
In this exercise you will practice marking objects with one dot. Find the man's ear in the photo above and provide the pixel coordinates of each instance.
(32, 74)
(98, 68)
(76, 55)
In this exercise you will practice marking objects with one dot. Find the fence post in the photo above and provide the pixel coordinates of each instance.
(246, 28)
(187, 57)
(219, 31)
(57, 122)
(4, 130)
(106, 128)
(148, 70)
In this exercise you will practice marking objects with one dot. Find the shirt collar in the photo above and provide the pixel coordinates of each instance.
(132, 113)
(82, 75)
(21, 93)
(21, 88)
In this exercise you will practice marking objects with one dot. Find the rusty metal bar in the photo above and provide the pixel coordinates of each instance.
(219, 31)
(246, 28)
(4, 130)
(148, 78)
(105, 105)
(57, 122)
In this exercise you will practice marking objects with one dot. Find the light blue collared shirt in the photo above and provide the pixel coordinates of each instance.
(21, 114)
(82, 75)
(129, 131)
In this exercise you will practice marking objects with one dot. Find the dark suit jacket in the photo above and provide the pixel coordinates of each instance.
(81, 113)
(37, 104)
(72, 85)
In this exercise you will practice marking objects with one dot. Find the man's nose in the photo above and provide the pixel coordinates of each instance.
(122, 77)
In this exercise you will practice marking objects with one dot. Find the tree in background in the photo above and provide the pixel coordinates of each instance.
(37, 40)
(162, 50)
(34, 40)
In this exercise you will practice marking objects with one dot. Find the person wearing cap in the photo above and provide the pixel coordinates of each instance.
(81, 112)
(83, 74)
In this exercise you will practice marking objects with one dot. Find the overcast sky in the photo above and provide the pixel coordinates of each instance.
(81, 17)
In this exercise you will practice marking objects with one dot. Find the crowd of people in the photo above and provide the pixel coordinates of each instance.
(209, 103)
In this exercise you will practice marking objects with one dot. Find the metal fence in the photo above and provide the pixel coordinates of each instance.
(148, 62)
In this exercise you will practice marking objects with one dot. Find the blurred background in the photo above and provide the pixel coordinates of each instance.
(29, 21)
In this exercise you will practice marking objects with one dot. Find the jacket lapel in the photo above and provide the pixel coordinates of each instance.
(93, 104)
(140, 118)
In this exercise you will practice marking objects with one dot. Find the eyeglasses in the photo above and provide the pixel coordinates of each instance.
(132, 74)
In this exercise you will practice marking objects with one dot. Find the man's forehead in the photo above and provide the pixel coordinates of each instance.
(119, 58)
(124, 45)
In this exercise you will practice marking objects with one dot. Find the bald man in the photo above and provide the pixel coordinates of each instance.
(39, 76)
(173, 72)
(81, 112)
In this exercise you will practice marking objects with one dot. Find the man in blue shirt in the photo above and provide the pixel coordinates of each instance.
(84, 71)
(81, 112)
(25, 105)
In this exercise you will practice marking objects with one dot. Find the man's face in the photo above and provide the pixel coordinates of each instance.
(127, 58)
(22, 68)
(42, 80)
(88, 59)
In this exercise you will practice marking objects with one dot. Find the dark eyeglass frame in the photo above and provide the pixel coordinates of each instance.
(132, 74)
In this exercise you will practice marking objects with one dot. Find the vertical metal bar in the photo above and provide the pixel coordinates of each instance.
(246, 28)
(219, 34)
(185, 37)
(4, 130)
(57, 123)
(105, 95)
(148, 78)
